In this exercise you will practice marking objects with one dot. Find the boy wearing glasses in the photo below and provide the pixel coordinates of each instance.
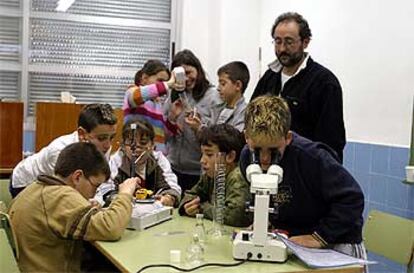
(96, 124)
(152, 167)
(220, 138)
(313, 92)
(52, 216)
(319, 204)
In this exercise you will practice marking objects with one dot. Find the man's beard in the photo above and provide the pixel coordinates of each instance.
(289, 60)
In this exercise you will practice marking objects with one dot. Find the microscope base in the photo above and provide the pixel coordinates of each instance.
(273, 251)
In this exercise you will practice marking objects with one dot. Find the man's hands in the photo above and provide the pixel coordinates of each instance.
(193, 207)
(306, 241)
(129, 186)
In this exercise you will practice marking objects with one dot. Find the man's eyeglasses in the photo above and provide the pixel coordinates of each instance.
(288, 42)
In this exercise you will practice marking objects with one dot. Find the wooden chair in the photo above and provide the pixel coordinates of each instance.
(6, 225)
(54, 119)
(8, 245)
(11, 136)
(390, 236)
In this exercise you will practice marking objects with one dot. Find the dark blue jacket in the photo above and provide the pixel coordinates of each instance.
(317, 193)
(314, 96)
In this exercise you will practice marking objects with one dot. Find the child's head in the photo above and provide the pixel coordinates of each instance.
(196, 82)
(267, 124)
(83, 166)
(97, 124)
(151, 72)
(233, 80)
(144, 137)
(220, 138)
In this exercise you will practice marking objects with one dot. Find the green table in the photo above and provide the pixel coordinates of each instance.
(152, 246)
(7, 261)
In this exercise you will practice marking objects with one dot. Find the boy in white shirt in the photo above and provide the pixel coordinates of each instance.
(96, 124)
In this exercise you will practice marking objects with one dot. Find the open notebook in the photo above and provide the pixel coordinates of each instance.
(321, 258)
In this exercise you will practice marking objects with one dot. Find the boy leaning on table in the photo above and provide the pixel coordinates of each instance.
(226, 139)
(318, 202)
(53, 216)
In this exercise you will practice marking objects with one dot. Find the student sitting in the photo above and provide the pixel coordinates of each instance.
(227, 139)
(233, 80)
(318, 202)
(53, 215)
(152, 167)
(96, 124)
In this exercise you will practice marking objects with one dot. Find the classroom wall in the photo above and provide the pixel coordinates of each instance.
(367, 44)
(222, 31)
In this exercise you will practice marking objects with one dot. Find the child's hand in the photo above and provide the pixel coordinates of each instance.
(306, 241)
(94, 203)
(166, 199)
(176, 109)
(129, 185)
(193, 120)
(193, 207)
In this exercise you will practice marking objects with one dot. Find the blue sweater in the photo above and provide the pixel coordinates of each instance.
(317, 193)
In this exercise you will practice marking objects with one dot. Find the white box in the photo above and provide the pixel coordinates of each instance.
(148, 215)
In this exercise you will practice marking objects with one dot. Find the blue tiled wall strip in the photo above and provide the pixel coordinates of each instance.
(379, 169)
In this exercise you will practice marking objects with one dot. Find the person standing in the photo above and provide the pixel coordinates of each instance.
(197, 99)
(151, 108)
(313, 92)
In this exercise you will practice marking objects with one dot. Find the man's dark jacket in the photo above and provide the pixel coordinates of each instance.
(314, 96)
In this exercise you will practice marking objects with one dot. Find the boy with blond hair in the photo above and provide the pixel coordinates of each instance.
(319, 204)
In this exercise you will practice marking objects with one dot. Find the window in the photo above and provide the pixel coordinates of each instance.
(92, 49)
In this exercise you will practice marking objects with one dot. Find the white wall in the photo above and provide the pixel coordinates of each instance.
(222, 31)
(367, 44)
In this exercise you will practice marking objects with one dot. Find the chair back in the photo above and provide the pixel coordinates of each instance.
(6, 225)
(390, 236)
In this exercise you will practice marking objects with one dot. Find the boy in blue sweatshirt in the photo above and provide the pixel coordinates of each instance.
(318, 202)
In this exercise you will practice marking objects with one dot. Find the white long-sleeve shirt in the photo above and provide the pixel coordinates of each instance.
(42, 162)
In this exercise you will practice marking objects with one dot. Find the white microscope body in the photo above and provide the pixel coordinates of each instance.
(258, 245)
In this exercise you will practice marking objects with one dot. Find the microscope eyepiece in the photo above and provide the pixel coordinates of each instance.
(255, 156)
(275, 156)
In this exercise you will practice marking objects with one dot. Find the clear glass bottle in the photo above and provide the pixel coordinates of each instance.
(200, 229)
(195, 252)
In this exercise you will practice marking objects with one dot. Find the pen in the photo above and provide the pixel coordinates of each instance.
(159, 191)
(140, 156)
